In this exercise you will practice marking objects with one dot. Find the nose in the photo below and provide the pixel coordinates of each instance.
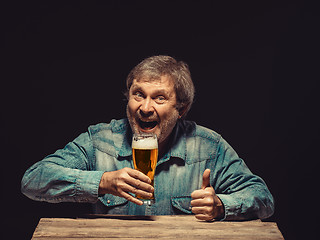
(146, 108)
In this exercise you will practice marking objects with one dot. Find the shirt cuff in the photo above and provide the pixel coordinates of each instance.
(87, 186)
(231, 206)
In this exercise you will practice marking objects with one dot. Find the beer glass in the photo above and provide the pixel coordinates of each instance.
(145, 156)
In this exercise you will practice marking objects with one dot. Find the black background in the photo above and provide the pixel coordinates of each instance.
(254, 64)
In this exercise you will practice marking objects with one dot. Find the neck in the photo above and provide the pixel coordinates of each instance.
(163, 147)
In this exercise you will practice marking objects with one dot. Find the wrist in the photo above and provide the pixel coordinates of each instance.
(102, 185)
(219, 209)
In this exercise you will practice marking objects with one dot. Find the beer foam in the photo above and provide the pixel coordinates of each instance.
(146, 143)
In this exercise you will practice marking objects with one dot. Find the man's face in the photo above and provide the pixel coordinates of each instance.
(152, 107)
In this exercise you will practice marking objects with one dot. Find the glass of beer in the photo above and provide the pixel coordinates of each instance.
(145, 155)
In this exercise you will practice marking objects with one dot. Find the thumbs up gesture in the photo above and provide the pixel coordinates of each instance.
(205, 204)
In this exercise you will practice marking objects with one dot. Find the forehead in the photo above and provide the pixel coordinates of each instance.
(164, 82)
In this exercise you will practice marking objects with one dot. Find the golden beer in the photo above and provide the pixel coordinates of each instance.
(145, 155)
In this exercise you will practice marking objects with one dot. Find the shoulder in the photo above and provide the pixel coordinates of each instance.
(109, 137)
(194, 130)
(115, 126)
(201, 142)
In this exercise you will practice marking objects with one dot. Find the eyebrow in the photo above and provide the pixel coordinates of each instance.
(157, 92)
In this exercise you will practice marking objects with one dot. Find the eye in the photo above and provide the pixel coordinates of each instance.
(160, 99)
(138, 95)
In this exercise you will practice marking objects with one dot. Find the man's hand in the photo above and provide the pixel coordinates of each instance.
(121, 182)
(205, 204)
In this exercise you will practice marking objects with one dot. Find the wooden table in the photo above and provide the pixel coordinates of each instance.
(154, 227)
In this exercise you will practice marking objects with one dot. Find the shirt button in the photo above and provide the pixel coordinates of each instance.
(108, 201)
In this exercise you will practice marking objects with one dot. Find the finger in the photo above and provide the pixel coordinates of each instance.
(197, 210)
(204, 217)
(139, 185)
(139, 175)
(206, 179)
(130, 198)
(143, 194)
(201, 202)
(202, 193)
(202, 210)
(197, 194)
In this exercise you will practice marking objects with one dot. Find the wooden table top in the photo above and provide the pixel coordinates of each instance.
(153, 227)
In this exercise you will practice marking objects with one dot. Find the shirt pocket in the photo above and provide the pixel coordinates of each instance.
(114, 204)
(181, 205)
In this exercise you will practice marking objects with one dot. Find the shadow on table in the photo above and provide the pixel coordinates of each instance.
(119, 217)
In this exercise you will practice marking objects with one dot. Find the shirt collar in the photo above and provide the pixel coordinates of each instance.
(177, 144)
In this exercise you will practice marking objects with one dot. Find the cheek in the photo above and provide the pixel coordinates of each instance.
(132, 106)
(169, 115)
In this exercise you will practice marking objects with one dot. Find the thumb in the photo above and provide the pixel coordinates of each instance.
(206, 179)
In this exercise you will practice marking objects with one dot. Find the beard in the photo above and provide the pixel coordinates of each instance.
(163, 127)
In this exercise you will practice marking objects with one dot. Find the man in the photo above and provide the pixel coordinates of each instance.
(197, 171)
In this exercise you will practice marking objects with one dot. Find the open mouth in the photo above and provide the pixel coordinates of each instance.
(147, 125)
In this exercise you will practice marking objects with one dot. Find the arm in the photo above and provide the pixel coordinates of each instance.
(235, 193)
(243, 194)
(68, 176)
(65, 176)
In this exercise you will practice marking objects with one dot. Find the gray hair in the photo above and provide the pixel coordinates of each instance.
(153, 68)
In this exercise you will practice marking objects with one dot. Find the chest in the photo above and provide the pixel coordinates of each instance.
(174, 182)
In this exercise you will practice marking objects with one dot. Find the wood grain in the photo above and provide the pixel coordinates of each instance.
(156, 227)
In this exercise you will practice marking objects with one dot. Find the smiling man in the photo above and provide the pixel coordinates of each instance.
(197, 172)
(152, 107)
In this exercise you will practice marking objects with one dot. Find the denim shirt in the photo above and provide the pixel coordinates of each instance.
(73, 174)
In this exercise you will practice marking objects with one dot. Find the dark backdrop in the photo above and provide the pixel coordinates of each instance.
(254, 64)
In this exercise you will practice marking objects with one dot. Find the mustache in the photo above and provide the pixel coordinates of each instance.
(139, 116)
